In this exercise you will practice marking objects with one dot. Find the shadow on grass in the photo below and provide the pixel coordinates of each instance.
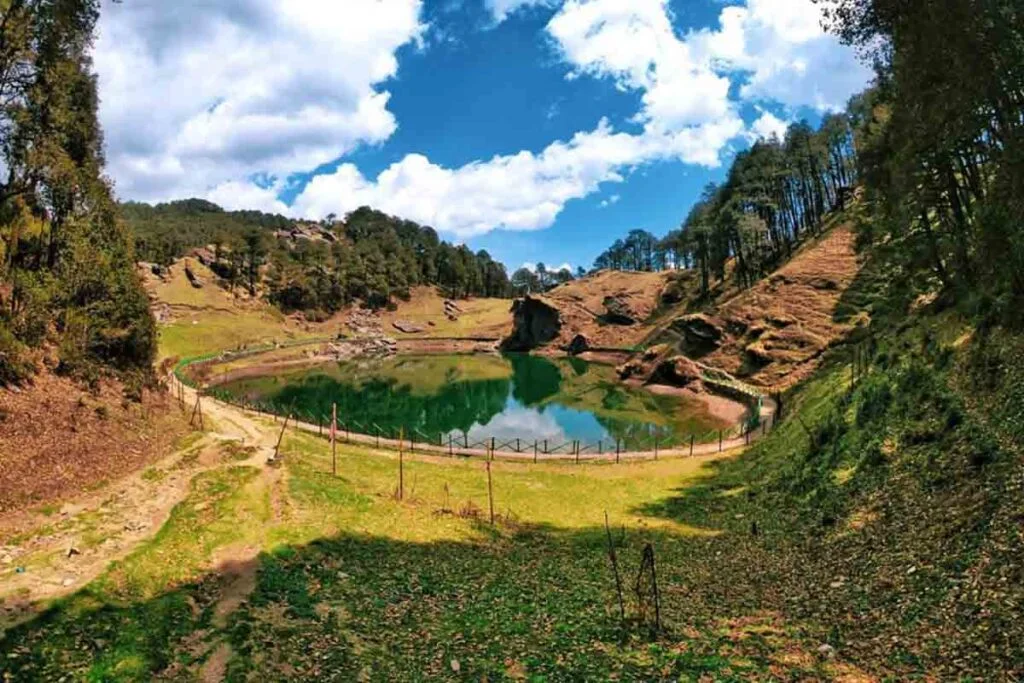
(520, 602)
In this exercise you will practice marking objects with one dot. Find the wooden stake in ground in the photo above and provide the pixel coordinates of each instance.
(334, 441)
(401, 463)
(615, 568)
(197, 410)
(490, 491)
(280, 437)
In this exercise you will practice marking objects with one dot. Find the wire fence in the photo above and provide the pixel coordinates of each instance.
(458, 443)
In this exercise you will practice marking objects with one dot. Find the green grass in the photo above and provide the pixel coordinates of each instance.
(874, 509)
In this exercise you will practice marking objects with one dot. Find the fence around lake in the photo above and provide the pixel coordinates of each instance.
(455, 444)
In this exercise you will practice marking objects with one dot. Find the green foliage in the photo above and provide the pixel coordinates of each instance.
(68, 265)
(941, 143)
(777, 193)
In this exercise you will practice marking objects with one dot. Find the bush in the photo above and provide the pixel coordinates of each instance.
(15, 368)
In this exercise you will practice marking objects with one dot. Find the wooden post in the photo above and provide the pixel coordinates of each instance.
(576, 449)
(401, 464)
(451, 451)
(280, 437)
(202, 423)
(492, 448)
(334, 440)
(465, 440)
(616, 451)
(378, 437)
(320, 424)
(655, 446)
(600, 446)
(412, 441)
(719, 440)
(518, 450)
(692, 437)
(490, 491)
(615, 567)
(535, 450)
(545, 446)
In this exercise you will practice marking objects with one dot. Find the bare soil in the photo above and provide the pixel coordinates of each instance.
(57, 439)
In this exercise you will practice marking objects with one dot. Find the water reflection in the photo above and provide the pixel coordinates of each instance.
(478, 397)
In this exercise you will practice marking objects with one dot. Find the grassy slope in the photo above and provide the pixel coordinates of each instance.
(211, 319)
(888, 544)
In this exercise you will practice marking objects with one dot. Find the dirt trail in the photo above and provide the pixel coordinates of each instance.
(45, 556)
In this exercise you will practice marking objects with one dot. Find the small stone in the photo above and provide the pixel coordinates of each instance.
(19, 570)
(827, 651)
(836, 584)
(456, 667)
(911, 570)
(67, 582)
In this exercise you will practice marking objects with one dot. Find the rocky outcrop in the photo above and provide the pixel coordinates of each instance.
(579, 344)
(701, 333)
(678, 371)
(194, 279)
(536, 322)
(619, 312)
(407, 327)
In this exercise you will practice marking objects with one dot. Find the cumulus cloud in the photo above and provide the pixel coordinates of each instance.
(614, 199)
(229, 106)
(787, 55)
(197, 94)
(767, 126)
(524, 191)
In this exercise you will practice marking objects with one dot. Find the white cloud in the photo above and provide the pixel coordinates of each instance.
(766, 126)
(614, 199)
(788, 56)
(262, 89)
(501, 9)
(199, 94)
(524, 191)
(635, 44)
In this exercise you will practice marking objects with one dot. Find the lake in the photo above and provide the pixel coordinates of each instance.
(477, 397)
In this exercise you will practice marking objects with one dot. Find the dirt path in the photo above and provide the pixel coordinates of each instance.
(45, 556)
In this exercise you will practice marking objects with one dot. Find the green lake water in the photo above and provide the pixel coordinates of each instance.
(477, 397)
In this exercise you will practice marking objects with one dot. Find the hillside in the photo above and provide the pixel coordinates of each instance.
(773, 334)
(213, 317)
(609, 309)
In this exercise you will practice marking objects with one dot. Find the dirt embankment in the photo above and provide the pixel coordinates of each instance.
(57, 439)
(773, 334)
(606, 310)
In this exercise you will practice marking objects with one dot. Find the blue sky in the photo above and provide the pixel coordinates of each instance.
(540, 130)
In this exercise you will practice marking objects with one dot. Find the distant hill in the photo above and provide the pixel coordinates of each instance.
(317, 268)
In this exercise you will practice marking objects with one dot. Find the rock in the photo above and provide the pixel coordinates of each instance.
(535, 322)
(678, 371)
(194, 279)
(203, 255)
(826, 651)
(618, 312)
(631, 368)
(67, 582)
(456, 667)
(655, 352)
(701, 333)
(407, 327)
(578, 345)
(158, 271)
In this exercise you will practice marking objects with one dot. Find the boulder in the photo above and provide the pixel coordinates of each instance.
(678, 371)
(701, 333)
(407, 327)
(194, 279)
(578, 345)
(535, 322)
(618, 312)
(631, 368)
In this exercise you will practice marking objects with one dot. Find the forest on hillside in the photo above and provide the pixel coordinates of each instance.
(317, 268)
(936, 148)
(67, 270)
